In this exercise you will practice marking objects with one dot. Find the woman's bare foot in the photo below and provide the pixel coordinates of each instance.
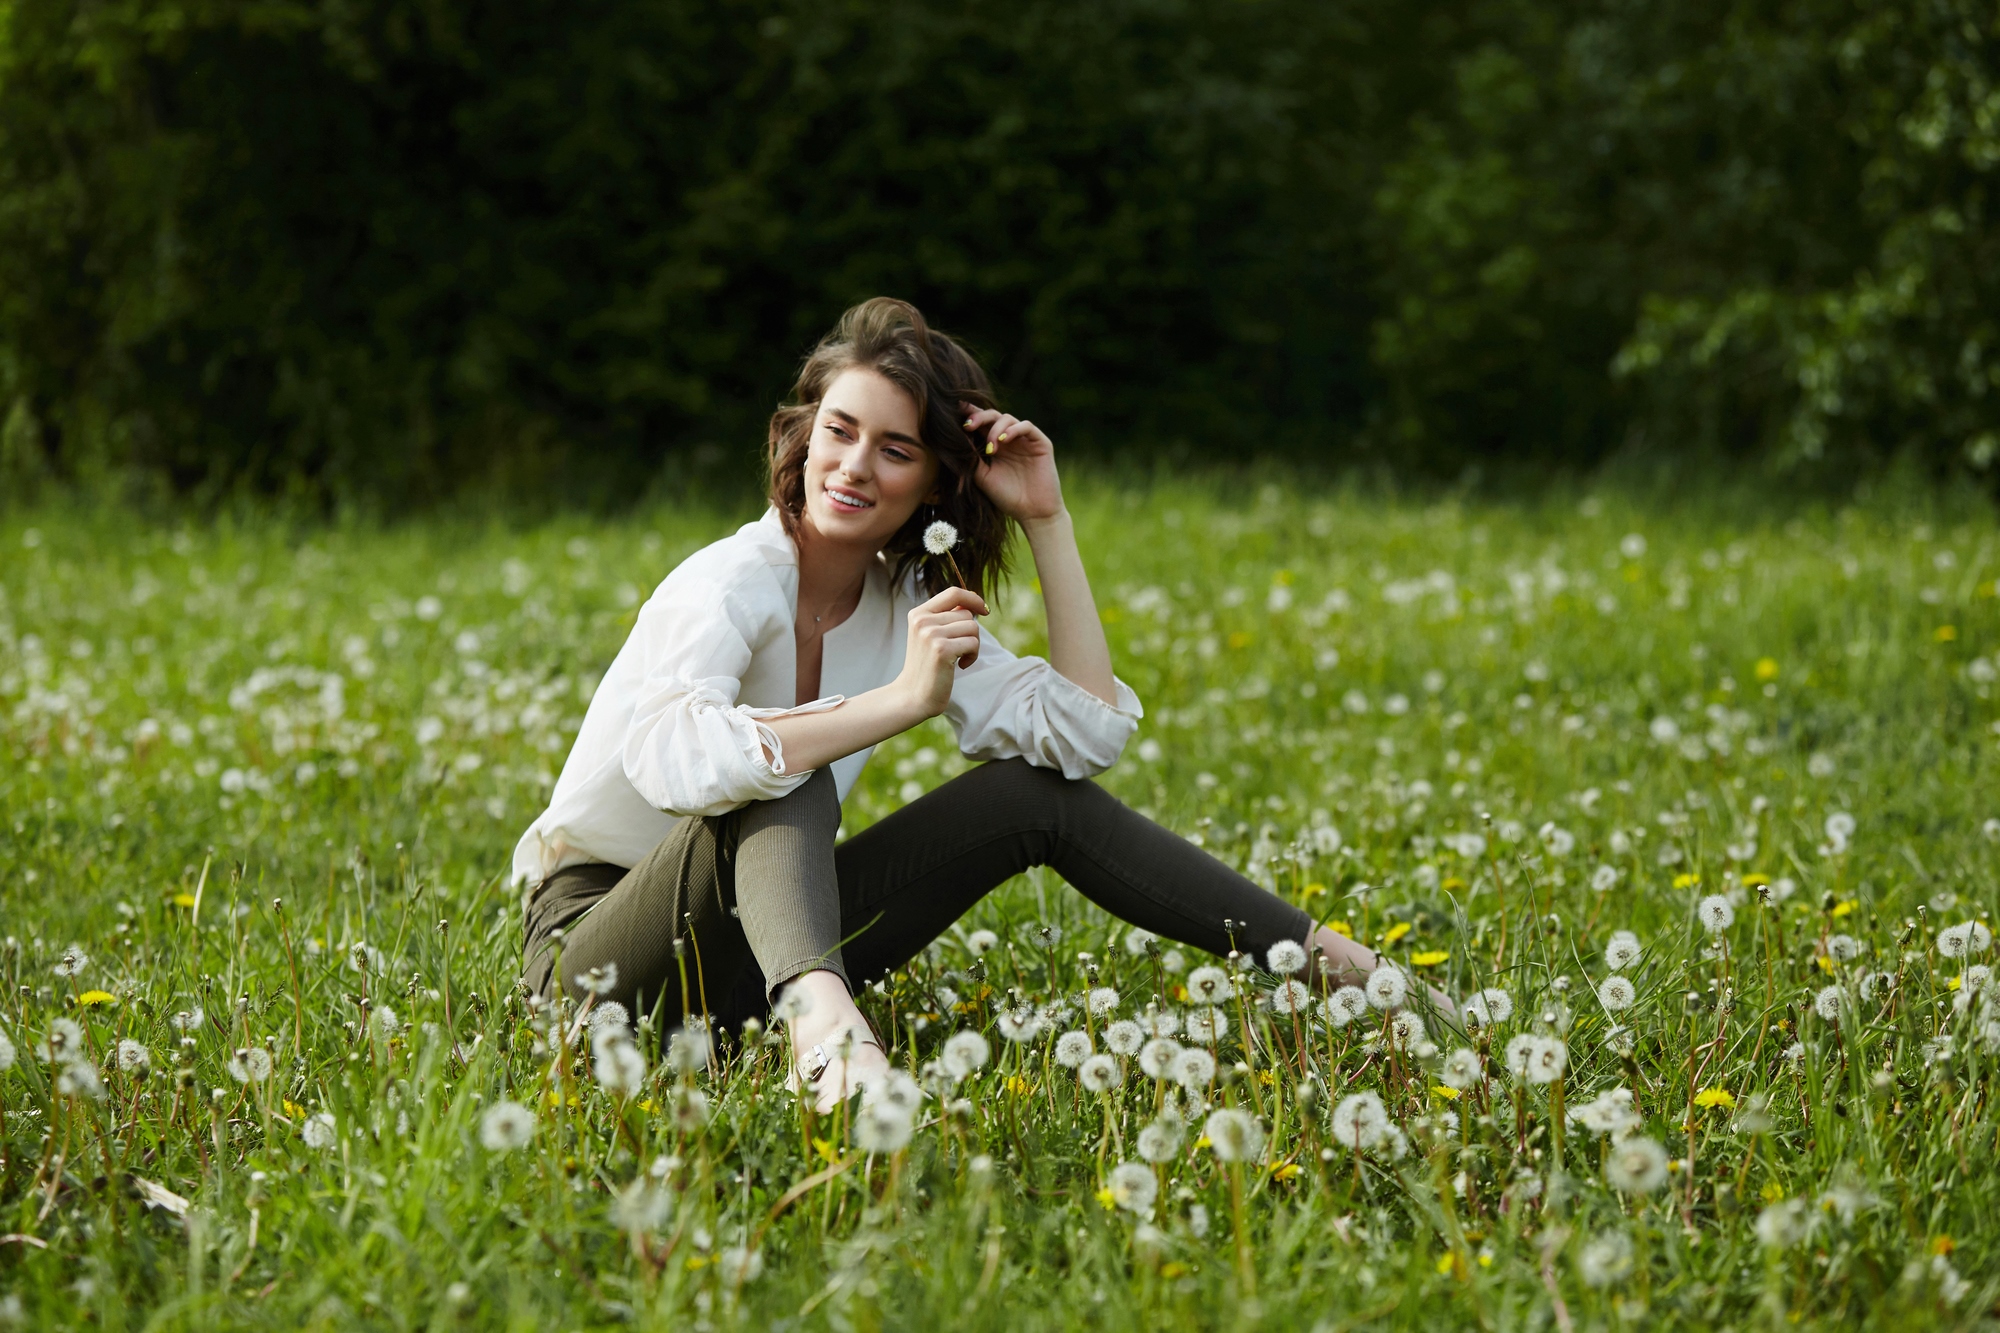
(818, 1012)
(1348, 963)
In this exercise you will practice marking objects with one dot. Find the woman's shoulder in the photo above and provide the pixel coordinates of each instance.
(755, 561)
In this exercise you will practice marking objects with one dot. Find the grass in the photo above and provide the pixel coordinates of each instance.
(273, 775)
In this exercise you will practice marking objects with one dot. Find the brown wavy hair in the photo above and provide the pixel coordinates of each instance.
(891, 338)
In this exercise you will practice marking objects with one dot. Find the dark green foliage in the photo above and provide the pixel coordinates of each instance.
(392, 248)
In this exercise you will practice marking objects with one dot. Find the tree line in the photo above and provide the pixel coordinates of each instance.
(390, 248)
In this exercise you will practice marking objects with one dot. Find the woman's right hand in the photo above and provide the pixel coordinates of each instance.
(944, 635)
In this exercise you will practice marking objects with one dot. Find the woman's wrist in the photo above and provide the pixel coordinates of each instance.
(1047, 525)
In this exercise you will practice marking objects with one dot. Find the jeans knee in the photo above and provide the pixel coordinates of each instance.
(1046, 800)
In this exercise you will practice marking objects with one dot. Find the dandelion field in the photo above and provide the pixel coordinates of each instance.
(1688, 804)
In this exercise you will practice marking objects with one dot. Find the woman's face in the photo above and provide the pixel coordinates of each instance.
(866, 467)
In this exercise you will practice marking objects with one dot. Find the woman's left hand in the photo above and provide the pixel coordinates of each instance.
(1018, 470)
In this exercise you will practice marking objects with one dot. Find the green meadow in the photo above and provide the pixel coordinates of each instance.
(1690, 795)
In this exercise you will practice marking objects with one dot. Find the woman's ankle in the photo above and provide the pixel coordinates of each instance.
(816, 1005)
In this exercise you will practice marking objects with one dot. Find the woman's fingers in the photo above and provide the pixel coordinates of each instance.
(952, 599)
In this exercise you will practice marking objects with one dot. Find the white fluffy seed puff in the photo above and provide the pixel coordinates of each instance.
(940, 537)
(1234, 1135)
(1387, 986)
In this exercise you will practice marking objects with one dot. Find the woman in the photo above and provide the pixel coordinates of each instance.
(687, 863)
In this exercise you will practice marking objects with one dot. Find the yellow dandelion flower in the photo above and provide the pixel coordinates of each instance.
(1825, 963)
(1285, 1170)
(1954, 983)
(1946, 633)
(1449, 1094)
(1430, 957)
(1446, 1262)
(1105, 1197)
(1844, 908)
(1709, 1098)
(1686, 881)
(1452, 883)
(1240, 639)
(1943, 1244)
(1341, 928)
(1314, 890)
(1019, 1086)
(292, 1108)
(1767, 668)
(1174, 1269)
(1204, 1142)
(96, 997)
(1755, 879)
(184, 900)
(1772, 1192)
(1395, 932)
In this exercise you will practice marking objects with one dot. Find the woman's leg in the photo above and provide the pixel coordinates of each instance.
(904, 880)
(738, 893)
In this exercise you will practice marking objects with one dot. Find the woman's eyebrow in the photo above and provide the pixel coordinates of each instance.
(850, 419)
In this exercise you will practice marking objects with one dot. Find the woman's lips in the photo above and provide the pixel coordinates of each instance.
(842, 498)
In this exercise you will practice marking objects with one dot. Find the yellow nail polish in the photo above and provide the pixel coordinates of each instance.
(1003, 437)
(989, 446)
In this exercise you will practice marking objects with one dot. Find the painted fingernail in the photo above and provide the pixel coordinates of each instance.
(1003, 435)
(989, 446)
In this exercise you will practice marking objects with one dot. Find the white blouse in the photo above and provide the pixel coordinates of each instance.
(676, 726)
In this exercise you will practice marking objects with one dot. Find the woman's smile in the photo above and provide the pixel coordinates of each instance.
(842, 497)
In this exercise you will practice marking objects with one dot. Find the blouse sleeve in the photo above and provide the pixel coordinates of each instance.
(690, 749)
(1007, 707)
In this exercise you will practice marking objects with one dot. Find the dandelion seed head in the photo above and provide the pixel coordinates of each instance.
(1160, 1022)
(1616, 992)
(1290, 997)
(1101, 1001)
(642, 1207)
(600, 980)
(1716, 914)
(1609, 1113)
(1286, 957)
(1784, 1224)
(739, 1265)
(1136, 940)
(319, 1131)
(1604, 1259)
(982, 942)
(1623, 950)
(1519, 1051)
(1345, 1005)
(620, 1066)
(1021, 1024)
(1209, 985)
(79, 1078)
(965, 1052)
(1157, 1057)
(7, 1053)
(1160, 1140)
(883, 1128)
(1461, 1069)
(689, 1109)
(1194, 1069)
(1072, 1049)
(1843, 948)
(250, 1064)
(940, 537)
(187, 1020)
(133, 1057)
(507, 1127)
(1636, 1166)
(1387, 986)
(894, 1088)
(63, 1044)
(1234, 1135)
(1124, 1037)
(1358, 1121)
(1488, 1007)
(1099, 1073)
(1827, 1004)
(1546, 1060)
(690, 1050)
(1406, 1030)
(72, 962)
(1133, 1187)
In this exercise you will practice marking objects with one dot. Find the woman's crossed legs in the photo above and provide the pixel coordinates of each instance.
(761, 896)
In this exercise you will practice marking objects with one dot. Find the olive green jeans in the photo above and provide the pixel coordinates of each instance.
(730, 907)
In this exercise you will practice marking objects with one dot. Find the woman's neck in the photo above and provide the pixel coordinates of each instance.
(830, 573)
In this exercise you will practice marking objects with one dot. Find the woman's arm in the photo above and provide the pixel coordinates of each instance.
(1019, 475)
(942, 631)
